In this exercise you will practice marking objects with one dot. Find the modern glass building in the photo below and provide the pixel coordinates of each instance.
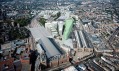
(68, 28)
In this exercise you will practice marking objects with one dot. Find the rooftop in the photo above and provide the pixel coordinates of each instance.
(39, 32)
(68, 27)
(48, 47)
(45, 42)
(82, 39)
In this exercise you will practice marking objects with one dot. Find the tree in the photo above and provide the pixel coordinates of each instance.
(1, 41)
(57, 15)
(19, 33)
(74, 19)
(23, 21)
(42, 21)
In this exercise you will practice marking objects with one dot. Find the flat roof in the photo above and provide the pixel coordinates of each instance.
(95, 38)
(69, 43)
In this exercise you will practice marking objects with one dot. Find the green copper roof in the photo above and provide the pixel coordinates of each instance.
(68, 28)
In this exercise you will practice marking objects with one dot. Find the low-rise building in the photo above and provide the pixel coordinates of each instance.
(10, 65)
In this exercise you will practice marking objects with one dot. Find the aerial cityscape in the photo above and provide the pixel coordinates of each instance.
(59, 35)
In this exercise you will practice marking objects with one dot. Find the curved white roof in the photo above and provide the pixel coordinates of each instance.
(48, 46)
(39, 32)
(41, 35)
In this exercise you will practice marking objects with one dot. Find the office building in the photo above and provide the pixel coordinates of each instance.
(68, 28)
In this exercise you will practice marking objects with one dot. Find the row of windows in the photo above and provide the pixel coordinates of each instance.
(57, 57)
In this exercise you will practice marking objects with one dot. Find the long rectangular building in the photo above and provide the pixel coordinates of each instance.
(50, 53)
(68, 28)
(82, 40)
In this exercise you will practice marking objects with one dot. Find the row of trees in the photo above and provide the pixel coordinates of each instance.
(23, 21)
(18, 33)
